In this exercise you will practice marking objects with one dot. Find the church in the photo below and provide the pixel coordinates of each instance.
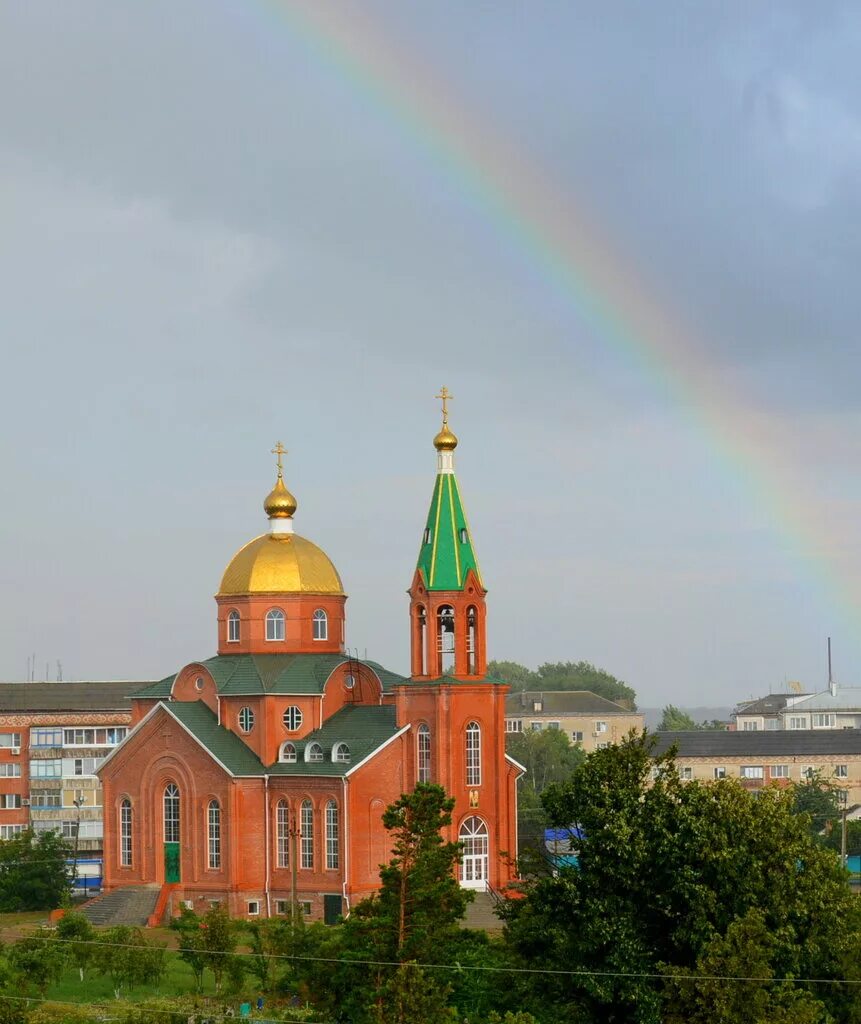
(258, 777)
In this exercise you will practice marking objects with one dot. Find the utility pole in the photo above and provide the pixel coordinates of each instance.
(294, 834)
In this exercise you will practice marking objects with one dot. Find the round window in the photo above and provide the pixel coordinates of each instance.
(293, 718)
(246, 719)
(349, 681)
(198, 683)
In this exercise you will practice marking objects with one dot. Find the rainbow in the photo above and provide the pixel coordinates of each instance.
(545, 224)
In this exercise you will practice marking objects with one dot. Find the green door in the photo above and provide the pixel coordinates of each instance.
(331, 908)
(171, 862)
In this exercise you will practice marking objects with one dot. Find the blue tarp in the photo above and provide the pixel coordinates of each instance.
(562, 835)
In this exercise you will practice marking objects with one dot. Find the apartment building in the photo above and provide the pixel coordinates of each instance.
(836, 707)
(53, 736)
(586, 718)
(760, 758)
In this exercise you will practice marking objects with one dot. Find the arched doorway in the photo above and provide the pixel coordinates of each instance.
(171, 833)
(474, 862)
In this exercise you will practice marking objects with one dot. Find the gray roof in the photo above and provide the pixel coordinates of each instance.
(844, 698)
(770, 705)
(790, 743)
(563, 702)
(40, 697)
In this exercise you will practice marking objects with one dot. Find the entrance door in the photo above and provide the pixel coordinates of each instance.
(171, 833)
(332, 908)
(475, 858)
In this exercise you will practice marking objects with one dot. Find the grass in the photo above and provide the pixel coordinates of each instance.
(178, 981)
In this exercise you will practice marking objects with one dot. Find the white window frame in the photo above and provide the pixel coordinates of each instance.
(171, 813)
(126, 824)
(341, 753)
(275, 630)
(321, 625)
(686, 772)
(778, 771)
(246, 718)
(233, 626)
(423, 753)
(514, 725)
(282, 834)
(823, 720)
(750, 725)
(332, 836)
(306, 860)
(473, 754)
(752, 771)
(600, 727)
(287, 753)
(293, 718)
(797, 722)
(213, 834)
(841, 771)
(10, 770)
(253, 908)
(313, 752)
(719, 772)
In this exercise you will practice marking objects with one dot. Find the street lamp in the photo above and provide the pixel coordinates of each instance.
(78, 802)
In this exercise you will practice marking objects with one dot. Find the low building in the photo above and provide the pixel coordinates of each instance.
(759, 758)
(835, 707)
(53, 736)
(586, 718)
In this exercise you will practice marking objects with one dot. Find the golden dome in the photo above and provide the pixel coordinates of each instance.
(445, 441)
(280, 563)
(279, 503)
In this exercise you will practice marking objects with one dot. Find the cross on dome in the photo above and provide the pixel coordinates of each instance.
(446, 440)
(278, 451)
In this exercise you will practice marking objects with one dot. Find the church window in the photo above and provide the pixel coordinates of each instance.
(171, 813)
(471, 640)
(341, 752)
(198, 683)
(331, 835)
(288, 753)
(313, 752)
(126, 833)
(473, 754)
(214, 824)
(275, 624)
(445, 638)
(307, 823)
(321, 625)
(246, 719)
(282, 834)
(422, 621)
(233, 627)
(292, 718)
(349, 680)
(424, 754)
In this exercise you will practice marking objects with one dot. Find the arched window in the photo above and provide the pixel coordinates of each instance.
(445, 637)
(313, 752)
(474, 858)
(282, 833)
(214, 827)
(307, 824)
(287, 754)
(421, 638)
(321, 625)
(423, 754)
(473, 754)
(471, 640)
(331, 835)
(292, 718)
(171, 813)
(246, 719)
(275, 624)
(341, 752)
(126, 833)
(233, 627)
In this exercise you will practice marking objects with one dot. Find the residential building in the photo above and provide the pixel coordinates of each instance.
(583, 716)
(759, 758)
(835, 707)
(53, 736)
(260, 775)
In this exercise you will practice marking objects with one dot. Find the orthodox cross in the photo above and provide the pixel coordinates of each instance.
(446, 397)
(278, 451)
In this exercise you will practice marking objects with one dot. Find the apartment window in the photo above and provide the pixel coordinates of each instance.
(779, 771)
(46, 737)
(538, 705)
(577, 736)
(126, 833)
(246, 719)
(10, 739)
(282, 834)
(843, 796)
(824, 721)
(253, 908)
(750, 726)
(720, 772)
(292, 718)
(10, 770)
(686, 773)
(233, 628)
(841, 771)
(50, 768)
(46, 798)
(536, 726)
(275, 624)
(772, 724)
(86, 765)
(7, 831)
(331, 835)
(321, 625)
(600, 727)
(8, 801)
(752, 771)
(602, 745)
(798, 722)
(553, 725)
(514, 725)
(307, 824)
(424, 754)
(473, 754)
(808, 771)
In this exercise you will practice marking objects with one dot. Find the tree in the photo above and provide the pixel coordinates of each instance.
(78, 936)
(817, 799)
(564, 675)
(675, 720)
(207, 942)
(664, 868)
(129, 959)
(33, 872)
(36, 961)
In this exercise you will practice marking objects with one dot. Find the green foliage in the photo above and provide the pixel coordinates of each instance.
(128, 958)
(78, 936)
(547, 755)
(412, 995)
(832, 837)
(35, 961)
(816, 799)
(266, 940)
(676, 720)
(665, 868)
(33, 873)
(564, 675)
(208, 942)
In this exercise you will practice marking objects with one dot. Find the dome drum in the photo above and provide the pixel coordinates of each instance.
(309, 623)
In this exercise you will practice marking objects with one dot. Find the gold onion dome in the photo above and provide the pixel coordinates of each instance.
(279, 503)
(445, 441)
(280, 563)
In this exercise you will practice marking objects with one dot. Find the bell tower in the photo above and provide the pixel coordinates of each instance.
(447, 596)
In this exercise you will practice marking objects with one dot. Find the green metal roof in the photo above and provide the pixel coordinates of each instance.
(447, 554)
(362, 727)
(272, 673)
(223, 744)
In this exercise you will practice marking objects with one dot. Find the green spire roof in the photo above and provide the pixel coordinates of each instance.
(447, 553)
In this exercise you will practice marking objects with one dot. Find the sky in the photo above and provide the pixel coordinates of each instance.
(227, 224)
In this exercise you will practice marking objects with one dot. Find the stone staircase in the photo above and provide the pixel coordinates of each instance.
(131, 905)
(480, 913)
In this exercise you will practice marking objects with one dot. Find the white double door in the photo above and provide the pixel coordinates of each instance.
(475, 857)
